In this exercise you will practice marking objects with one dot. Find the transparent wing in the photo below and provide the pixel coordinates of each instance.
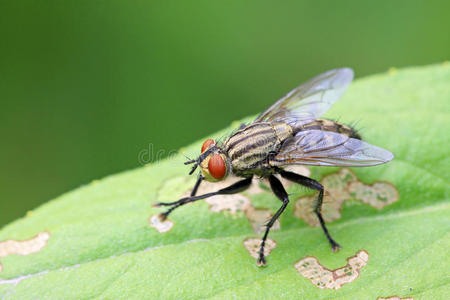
(326, 148)
(310, 100)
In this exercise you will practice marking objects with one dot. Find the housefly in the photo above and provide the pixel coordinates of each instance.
(289, 132)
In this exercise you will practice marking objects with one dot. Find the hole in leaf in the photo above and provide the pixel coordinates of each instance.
(323, 278)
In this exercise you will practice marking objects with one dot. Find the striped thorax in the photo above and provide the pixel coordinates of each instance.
(249, 148)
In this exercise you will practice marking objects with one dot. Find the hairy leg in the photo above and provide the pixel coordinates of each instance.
(312, 184)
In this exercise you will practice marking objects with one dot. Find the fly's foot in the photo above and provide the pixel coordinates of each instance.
(163, 216)
(261, 262)
(335, 247)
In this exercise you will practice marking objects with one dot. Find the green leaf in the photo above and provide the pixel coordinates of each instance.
(100, 243)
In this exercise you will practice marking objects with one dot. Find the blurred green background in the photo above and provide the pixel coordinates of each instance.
(85, 86)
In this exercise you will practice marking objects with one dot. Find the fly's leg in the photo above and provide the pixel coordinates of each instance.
(232, 189)
(179, 203)
(312, 184)
(197, 184)
(280, 192)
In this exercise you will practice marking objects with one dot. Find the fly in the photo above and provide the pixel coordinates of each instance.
(290, 132)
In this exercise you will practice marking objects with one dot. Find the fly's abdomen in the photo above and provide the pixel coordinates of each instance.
(329, 125)
(249, 147)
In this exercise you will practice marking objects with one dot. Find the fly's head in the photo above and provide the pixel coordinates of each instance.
(213, 162)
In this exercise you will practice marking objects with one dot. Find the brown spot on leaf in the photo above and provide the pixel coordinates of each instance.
(253, 245)
(258, 218)
(377, 195)
(323, 278)
(208, 187)
(160, 225)
(228, 203)
(339, 187)
(304, 209)
(255, 187)
(33, 245)
(26, 247)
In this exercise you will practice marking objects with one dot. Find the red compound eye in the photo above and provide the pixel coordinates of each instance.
(206, 144)
(216, 167)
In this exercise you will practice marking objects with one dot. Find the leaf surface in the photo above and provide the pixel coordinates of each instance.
(102, 246)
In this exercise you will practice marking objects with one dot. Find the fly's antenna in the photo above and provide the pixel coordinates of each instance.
(199, 160)
(187, 157)
(190, 161)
